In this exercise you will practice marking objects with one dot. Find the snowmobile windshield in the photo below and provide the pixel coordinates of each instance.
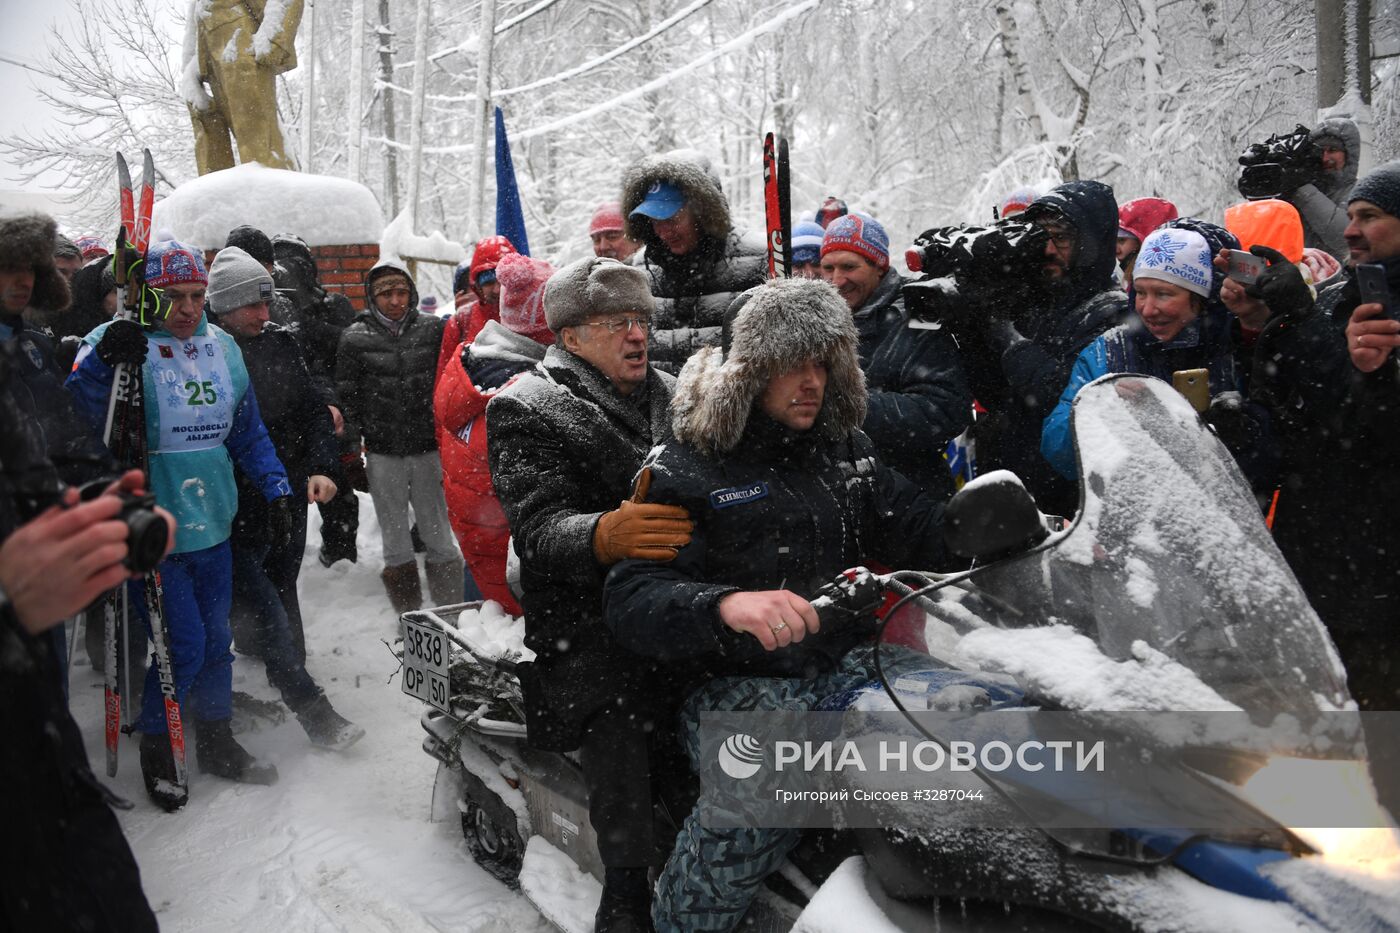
(1170, 553)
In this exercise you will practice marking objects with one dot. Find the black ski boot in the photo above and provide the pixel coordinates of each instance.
(326, 728)
(218, 754)
(625, 906)
(158, 770)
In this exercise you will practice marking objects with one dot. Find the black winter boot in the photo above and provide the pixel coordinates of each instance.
(218, 754)
(158, 770)
(327, 728)
(626, 903)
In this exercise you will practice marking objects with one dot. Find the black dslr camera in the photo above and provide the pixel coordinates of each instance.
(1279, 165)
(971, 264)
(146, 532)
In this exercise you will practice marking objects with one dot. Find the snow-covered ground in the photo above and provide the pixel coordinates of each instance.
(342, 842)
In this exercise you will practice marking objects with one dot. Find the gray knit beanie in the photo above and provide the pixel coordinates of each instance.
(236, 280)
(1381, 187)
(595, 286)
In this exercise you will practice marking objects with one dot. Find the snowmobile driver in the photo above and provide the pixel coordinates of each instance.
(565, 441)
(786, 491)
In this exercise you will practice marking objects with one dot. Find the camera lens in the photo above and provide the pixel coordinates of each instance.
(146, 538)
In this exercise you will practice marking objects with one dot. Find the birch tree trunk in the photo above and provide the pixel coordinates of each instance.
(1021, 79)
(386, 74)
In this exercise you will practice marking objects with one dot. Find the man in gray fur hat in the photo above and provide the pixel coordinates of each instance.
(786, 492)
(565, 441)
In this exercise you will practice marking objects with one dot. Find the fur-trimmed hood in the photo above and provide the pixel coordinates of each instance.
(27, 238)
(1346, 131)
(694, 175)
(769, 330)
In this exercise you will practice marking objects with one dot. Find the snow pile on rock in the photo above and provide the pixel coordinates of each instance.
(322, 210)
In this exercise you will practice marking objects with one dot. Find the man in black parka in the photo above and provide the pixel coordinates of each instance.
(385, 366)
(696, 260)
(65, 862)
(565, 441)
(786, 492)
(917, 394)
(1019, 352)
(266, 612)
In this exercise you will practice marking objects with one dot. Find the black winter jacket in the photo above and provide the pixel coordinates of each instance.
(1019, 369)
(297, 422)
(564, 448)
(70, 443)
(782, 511)
(385, 382)
(693, 291)
(1337, 522)
(918, 393)
(65, 862)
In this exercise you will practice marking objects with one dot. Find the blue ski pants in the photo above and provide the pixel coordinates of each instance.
(713, 875)
(198, 589)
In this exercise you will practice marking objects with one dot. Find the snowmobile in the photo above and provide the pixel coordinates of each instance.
(1164, 593)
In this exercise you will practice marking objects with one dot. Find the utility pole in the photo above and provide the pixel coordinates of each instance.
(486, 39)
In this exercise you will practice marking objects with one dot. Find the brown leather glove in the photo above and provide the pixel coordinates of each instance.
(641, 530)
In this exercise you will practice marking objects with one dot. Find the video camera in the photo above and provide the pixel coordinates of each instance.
(964, 263)
(1279, 165)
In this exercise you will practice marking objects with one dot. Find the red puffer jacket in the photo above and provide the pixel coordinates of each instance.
(494, 358)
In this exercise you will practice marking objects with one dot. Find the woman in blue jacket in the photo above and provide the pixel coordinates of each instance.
(201, 418)
(1179, 324)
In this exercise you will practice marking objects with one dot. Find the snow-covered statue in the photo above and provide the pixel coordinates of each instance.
(234, 50)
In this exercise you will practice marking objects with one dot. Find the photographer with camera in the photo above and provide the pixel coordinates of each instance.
(201, 416)
(65, 863)
(1022, 298)
(33, 289)
(1314, 170)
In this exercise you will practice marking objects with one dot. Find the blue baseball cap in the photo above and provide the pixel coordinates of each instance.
(662, 201)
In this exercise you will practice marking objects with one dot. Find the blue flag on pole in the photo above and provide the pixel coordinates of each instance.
(510, 217)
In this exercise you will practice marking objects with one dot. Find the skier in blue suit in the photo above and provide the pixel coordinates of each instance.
(201, 417)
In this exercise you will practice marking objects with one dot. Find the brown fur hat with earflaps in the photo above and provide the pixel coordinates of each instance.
(770, 330)
(27, 239)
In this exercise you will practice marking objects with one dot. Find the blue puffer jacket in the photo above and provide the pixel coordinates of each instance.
(1129, 348)
(1205, 343)
(201, 418)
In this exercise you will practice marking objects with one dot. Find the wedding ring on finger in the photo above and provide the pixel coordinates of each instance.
(778, 628)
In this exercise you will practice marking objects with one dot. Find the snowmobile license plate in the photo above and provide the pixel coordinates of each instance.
(426, 653)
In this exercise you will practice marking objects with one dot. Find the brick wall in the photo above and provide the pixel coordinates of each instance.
(341, 268)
